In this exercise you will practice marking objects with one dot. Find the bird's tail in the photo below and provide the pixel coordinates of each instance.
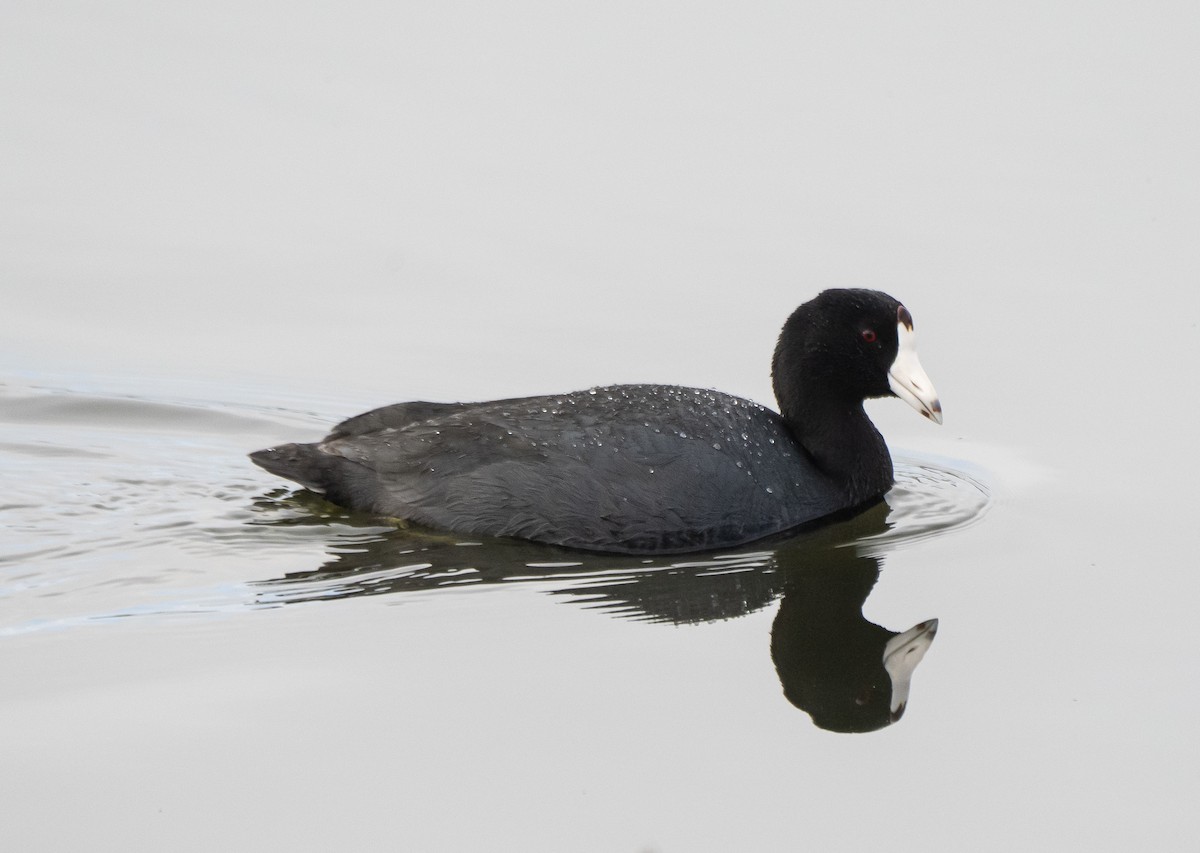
(303, 463)
(340, 480)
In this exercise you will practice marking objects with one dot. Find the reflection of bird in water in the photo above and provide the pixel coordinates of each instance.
(848, 674)
(845, 672)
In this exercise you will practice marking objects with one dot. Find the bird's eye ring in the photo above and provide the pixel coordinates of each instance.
(869, 335)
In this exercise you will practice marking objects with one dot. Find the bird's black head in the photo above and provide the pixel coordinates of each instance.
(845, 346)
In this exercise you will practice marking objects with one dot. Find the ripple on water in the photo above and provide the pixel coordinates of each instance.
(930, 499)
(105, 498)
(134, 507)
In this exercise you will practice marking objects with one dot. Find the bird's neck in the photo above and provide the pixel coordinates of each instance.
(842, 441)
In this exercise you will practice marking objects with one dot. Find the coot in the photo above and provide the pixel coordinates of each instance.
(642, 469)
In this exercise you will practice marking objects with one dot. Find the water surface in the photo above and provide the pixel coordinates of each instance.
(227, 227)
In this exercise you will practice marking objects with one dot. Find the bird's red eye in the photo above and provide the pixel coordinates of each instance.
(868, 335)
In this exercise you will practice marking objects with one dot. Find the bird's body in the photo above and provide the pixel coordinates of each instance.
(627, 468)
(527, 468)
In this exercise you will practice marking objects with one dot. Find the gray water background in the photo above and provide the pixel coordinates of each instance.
(231, 225)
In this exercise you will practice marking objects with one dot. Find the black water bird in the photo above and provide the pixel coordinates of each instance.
(642, 468)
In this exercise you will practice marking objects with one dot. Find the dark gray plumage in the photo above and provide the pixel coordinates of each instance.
(636, 468)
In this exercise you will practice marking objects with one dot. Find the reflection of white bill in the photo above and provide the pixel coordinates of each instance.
(900, 657)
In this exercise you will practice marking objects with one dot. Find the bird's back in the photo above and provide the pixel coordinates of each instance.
(634, 468)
